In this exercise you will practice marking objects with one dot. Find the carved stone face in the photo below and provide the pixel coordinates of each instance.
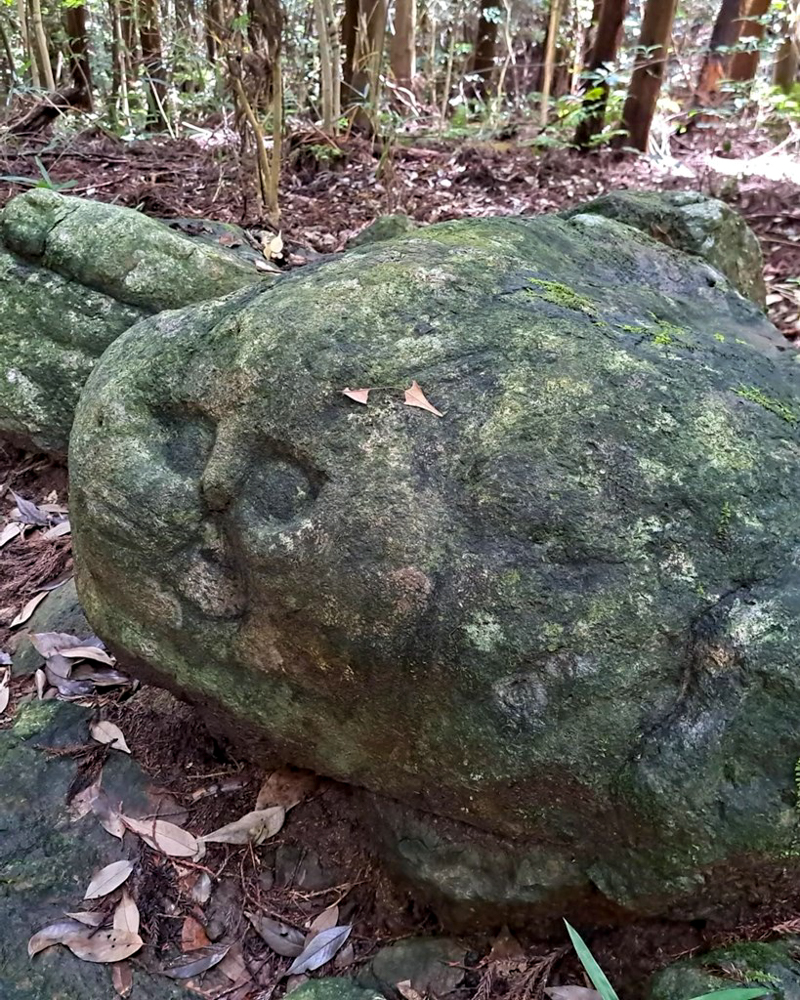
(487, 613)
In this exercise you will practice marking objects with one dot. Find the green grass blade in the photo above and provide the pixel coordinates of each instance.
(593, 970)
(736, 993)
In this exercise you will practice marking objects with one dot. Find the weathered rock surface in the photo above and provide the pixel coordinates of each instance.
(47, 860)
(562, 617)
(334, 988)
(689, 221)
(74, 275)
(385, 227)
(771, 964)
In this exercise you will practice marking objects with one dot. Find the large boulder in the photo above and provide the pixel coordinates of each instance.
(74, 275)
(561, 619)
(696, 224)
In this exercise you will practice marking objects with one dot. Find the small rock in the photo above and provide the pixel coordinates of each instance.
(431, 965)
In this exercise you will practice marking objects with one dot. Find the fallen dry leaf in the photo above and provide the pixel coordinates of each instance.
(52, 934)
(81, 804)
(324, 921)
(201, 888)
(92, 919)
(196, 963)
(507, 955)
(28, 610)
(62, 528)
(10, 532)
(233, 966)
(346, 957)
(87, 653)
(110, 945)
(405, 989)
(193, 935)
(252, 828)
(29, 513)
(5, 692)
(163, 836)
(416, 397)
(40, 679)
(107, 732)
(122, 978)
(109, 817)
(283, 939)
(359, 395)
(108, 879)
(286, 787)
(319, 950)
(126, 915)
(274, 247)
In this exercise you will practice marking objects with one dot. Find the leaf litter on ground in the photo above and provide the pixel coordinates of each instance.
(126, 915)
(28, 609)
(108, 732)
(416, 397)
(193, 935)
(319, 950)
(286, 787)
(5, 690)
(108, 879)
(252, 828)
(196, 962)
(29, 513)
(165, 837)
(283, 939)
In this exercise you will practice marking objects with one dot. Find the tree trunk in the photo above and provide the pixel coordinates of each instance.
(717, 60)
(370, 38)
(152, 62)
(325, 66)
(40, 42)
(787, 58)
(349, 31)
(745, 62)
(607, 36)
(12, 70)
(130, 47)
(78, 51)
(404, 43)
(119, 64)
(648, 73)
(485, 50)
(549, 59)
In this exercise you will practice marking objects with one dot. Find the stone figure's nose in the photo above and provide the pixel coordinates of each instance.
(222, 476)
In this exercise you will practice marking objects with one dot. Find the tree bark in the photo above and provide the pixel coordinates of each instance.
(40, 42)
(404, 43)
(349, 31)
(78, 51)
(648, 73)
(12, 70)
(485, 50)
(152, 61)
(370, 38)
(550, 59)
(745, 62)
(607, 36)
(787, 58)
(718, 57)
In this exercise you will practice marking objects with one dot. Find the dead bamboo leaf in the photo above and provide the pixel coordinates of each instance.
(110, 945)
(87, 653)
(196, 963)
(62, 528)
(252, 828)
(9, 533)
(283, 939)
(28, 610)
(164, 837)
(319, 950)
(416, 397)
(52, 934)
(286, 787)
(107, 732)
(108, 879)
(324, 921)
(126, 915)
(358, 395)
(193, 935)
(122, 978)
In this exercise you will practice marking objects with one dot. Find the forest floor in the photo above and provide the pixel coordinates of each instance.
(332, 189)
(326, 199)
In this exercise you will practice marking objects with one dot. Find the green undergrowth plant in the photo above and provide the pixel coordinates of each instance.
(605, 991)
